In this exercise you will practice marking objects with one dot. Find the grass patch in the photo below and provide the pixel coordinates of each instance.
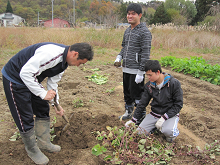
(6, 54)
(214, 50)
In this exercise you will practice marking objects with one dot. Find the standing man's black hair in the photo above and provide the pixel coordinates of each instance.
(135, 7)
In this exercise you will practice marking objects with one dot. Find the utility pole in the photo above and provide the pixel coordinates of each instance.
(52, 12)
(38, 18)
(116, 22)
(73, 12)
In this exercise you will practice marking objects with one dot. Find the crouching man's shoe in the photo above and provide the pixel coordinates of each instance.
(170, 140)
(128, 112)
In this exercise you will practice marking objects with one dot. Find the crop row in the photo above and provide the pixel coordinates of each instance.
(195, 66)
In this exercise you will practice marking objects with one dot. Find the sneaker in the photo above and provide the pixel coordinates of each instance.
(170, 140)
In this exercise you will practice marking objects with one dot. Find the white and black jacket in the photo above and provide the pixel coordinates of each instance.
(33, 64)
(135, 50)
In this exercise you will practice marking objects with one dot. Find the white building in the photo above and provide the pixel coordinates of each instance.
(10, 19)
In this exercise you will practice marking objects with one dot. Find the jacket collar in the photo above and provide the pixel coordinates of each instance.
(139, 25)
(166, 80)
(64, 64)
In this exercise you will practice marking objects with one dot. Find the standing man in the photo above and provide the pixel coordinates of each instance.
(167, 101)
(135, 52)
(22, 77)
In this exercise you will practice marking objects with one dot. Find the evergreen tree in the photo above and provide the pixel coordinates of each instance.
(186, 8)
(9, 8)
(121, 11)
(202, 7)
(160, 16)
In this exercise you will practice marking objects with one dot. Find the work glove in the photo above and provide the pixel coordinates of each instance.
(127, 124)
(159, 123)
(117, 62)
(139, 78)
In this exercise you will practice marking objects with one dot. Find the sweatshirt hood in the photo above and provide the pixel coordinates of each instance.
(167, 78)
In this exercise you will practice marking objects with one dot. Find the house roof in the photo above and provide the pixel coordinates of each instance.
(13, 15)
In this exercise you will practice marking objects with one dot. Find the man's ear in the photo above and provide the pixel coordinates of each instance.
(74, 53)
(140, 15)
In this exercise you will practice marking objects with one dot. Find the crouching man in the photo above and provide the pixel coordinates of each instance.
(167, 101)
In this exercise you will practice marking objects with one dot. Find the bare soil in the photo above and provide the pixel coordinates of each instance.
(199, 118)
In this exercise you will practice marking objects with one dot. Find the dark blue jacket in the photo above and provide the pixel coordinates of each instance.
(33, 64)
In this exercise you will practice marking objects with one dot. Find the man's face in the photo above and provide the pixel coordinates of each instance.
(72, 59)
(152, 76)
(78, 62)
(133, 18)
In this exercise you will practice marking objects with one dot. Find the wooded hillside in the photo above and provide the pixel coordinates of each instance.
(179, 12)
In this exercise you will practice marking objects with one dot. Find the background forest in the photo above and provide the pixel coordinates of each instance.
(178, 12)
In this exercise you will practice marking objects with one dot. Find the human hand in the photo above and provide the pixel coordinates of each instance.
(127, 124)
(59, 110)
(50, 95)
(117, 62)
(159, 123)
(139, 78)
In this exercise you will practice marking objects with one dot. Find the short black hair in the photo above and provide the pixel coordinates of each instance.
(134, 7)
(152, 65)
(84, 49)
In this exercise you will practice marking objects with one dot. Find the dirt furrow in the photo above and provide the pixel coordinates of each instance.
(202, 101)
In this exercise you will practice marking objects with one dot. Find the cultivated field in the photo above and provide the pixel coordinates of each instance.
(100, 105)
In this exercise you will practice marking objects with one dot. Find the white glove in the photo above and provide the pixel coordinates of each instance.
(117, 63)
(128, 123)
(139, 78)
(159, 123)
(117, 60)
